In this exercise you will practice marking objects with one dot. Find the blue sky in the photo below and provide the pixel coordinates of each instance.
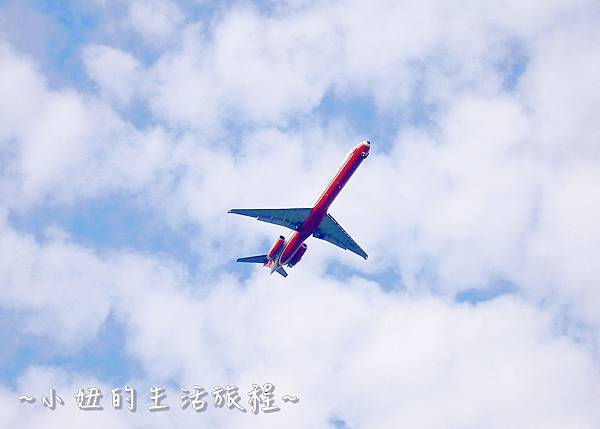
(129, 128)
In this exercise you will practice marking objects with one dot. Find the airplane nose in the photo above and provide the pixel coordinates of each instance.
(364, 147)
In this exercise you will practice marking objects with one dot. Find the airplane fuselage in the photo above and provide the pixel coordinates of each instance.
(319, 210)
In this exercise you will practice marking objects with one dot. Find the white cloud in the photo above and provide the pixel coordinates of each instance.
(468, 192)
(250, 69)
(116, 72)
(349, 350)
(21, 83)
(63, 144)
(354, 352)
(266, 69)
(499, 186)
(155, 20)
(54, 285)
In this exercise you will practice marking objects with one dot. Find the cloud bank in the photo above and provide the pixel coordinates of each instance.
(478, 207)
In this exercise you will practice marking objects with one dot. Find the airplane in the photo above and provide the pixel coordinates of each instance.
(308, 221)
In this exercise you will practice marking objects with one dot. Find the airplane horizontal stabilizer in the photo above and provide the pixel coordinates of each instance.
(281, 271)
(258, 259)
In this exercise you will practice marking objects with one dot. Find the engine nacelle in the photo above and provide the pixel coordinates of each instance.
(298, 255)
(277, 248)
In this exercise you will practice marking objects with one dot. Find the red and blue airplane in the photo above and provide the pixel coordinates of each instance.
(305, 222)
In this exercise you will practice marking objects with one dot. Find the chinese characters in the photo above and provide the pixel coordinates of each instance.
(261, 399)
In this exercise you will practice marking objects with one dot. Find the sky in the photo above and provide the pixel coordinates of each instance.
(128, 128)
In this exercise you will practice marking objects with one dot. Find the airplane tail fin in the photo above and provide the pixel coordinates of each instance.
(258, 259)
(261, 259)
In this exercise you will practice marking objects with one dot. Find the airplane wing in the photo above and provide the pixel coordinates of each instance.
(290, 218)
(330, 230)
